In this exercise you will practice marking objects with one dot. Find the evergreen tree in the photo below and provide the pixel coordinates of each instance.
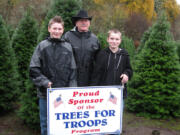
(158, 5)
(29, 110)
(178, 49)
(64, 8)
(23, 41)
(10, 30)
(154, 90)
(103, 40)
(8, 70)
(128, 45)
(144, 39)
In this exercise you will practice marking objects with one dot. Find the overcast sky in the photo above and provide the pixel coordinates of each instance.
(178, 1)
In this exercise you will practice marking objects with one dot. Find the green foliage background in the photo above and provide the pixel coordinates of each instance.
(154, 90)
(128, 45)
(24, 41)
(9, 82)
(29, 109)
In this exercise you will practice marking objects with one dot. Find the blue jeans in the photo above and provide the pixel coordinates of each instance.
(43, 115)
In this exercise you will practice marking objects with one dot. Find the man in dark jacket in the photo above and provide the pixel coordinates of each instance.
(52, 65)
(85, 46)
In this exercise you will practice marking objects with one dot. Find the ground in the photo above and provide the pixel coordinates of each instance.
(133, 125)
(10, 124)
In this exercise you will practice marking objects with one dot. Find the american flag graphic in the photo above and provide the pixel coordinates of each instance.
(58, 101)
(112, 98)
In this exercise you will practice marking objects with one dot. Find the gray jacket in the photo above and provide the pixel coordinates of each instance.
(53, 61)
(85, 46)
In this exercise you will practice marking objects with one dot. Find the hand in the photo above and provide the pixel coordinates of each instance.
(124, 78)
(49, 84)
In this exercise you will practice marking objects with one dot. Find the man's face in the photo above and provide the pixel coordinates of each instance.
(83, 25)
(56, 30)
(114, 40)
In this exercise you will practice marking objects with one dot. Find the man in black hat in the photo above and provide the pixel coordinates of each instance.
(85, 46)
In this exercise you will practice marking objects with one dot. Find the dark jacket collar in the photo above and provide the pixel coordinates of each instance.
(81, 34)
(55, 39)
(121, 51)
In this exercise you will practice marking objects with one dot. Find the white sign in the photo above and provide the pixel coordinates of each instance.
(85, 110)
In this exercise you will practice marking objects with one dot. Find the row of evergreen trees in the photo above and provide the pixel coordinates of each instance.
(154, 90)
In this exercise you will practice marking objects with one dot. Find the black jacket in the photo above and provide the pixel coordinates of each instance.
(110, 66)
(53, 61)
(85, 46)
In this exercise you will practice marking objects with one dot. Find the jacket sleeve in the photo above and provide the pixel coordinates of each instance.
(128, 69)
(73, 76)
(35, 72)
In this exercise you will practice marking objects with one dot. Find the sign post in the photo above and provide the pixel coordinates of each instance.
(85, 110)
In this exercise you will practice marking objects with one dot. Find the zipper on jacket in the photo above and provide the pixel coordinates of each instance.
(115, 70)
(109, 61)
(81, 57)
(118, 62)
(54, 58)
(116, 67)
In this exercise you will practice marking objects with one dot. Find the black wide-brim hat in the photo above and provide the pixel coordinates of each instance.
(82, 14)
